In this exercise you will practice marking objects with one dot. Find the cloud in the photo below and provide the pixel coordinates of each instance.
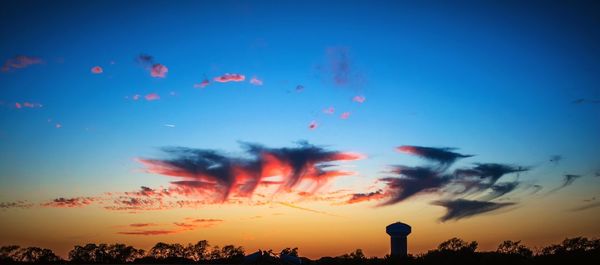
(345, 115)
(209, 172)
(304, 209)
(587, 207)
(414, 181)
(584, 101)
(202, 84)
(230, 78)
(299, 88)
(16, 204)
(26, 104)
(96, 70)
(568, 179)
(485, 175)
(255, 81)
(148, 232)
(70, 202)
(359, 99)
(443, 155)
(363, 197)
(329, 110)
(152, 97)
(461, 208)
(142, 224)
(554, 159)
(159, 70)
(500, 189)
(19, 62)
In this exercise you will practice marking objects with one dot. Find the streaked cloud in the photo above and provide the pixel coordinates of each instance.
(461, 208)
(19, 62)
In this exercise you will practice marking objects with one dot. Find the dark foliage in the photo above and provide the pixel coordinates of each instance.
(579, 250)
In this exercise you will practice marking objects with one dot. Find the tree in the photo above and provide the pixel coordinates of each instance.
(7, 252)
(514, 248)
(215, 253)
(290, 252)
(231, 251)
(198, 251)
(35, 255)
(163, 251)
(457, 245)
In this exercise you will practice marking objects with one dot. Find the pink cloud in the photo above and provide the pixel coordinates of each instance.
(97, 70)
(136, 97)
(329, 110)
(313, 125)
(152, 96)
(255, 81)
(18, 105)
(20, 61)
(69, 202)
(159, 70)
(202, 84)
(27, 105)
(345, 115)
(359, 99)
(230, 78)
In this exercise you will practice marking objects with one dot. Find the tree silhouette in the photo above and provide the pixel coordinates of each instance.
(514, 248)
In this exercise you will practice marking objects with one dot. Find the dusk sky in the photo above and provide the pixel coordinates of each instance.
(309, 124)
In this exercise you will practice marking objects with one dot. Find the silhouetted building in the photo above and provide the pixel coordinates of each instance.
(398, 232)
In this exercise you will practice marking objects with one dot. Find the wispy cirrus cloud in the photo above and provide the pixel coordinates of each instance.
(19, 62)
(461, 208)
(444, 155)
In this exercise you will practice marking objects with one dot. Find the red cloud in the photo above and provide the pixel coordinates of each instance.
(202, 84)
(230, 78)
(329, 110)
(359, 99)
(149, 232)
(313, 125)
(152, 96)
(345, 115)
(362, 197)
(159, 70)
(255, 81)
(20, 61)
(69, 202)
(97, 70)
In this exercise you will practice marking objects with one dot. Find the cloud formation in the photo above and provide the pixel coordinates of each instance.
(96, 70)
(255, 81)
(444, 155)
(227, 77)
(413, 181)
(202, 84)
(152, 97)
(359, 99)
(568, 179)
(69, 202)
(19, 62)
(461, 208)
(209, 172)
(16, 204)
(362, 197)
(156, 70)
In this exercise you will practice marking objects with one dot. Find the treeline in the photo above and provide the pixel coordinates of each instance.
(579, 250)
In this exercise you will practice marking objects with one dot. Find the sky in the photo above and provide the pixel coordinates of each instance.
(309, 124)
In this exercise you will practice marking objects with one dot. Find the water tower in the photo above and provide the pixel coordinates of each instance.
(398, 232)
